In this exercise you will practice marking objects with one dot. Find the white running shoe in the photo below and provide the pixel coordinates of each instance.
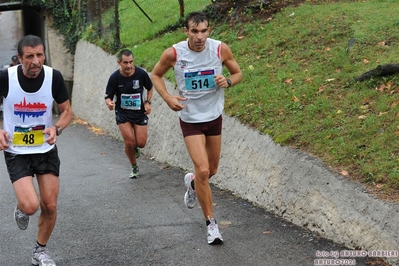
(21, 218)
(190, 199)
(214, 237)
(135, 172)
(41, 258)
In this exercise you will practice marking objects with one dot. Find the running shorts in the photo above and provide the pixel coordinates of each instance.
(21, 165)
(211, 128)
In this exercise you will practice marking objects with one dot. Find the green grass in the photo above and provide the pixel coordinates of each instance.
(298, 84)
(136, 27)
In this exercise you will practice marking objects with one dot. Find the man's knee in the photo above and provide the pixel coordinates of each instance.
(202, 174)
(29, 208)
(140, 143)
(212, 173)
(49, 208)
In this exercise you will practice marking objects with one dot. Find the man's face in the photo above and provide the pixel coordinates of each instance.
(126, 65)
(32, 60)
(197, 35)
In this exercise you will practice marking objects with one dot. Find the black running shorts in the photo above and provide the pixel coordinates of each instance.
(121, 118)
(21, 165)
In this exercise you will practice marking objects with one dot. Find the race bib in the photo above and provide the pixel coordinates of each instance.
(199, 80)
(131, 101)
(28, 136)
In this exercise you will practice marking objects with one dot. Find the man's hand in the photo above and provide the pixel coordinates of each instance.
(174, 104)
(4, 140)
(147, 108)
(110, 104)
(221, 81)
(52, 132)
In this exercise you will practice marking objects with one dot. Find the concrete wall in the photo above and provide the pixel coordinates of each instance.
(282, 180)
(57, 55)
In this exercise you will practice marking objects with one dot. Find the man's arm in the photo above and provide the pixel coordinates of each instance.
(231, 65)
(167, 61)
(110, 92)
(63, 122)
(66, 114)
(147, 105)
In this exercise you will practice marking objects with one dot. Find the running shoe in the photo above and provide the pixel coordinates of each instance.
(214, 237)
(138, 152)
(21, 218)
(135, 172)
(190, 199)
(41, 258)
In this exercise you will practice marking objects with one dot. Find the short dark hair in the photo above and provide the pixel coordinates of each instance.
(29, 41)
(197, 18)
(14, 58)
(125, 52)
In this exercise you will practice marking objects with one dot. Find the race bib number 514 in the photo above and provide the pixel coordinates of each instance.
(199, 81)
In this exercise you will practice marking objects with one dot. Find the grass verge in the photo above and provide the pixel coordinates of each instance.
(298, 81)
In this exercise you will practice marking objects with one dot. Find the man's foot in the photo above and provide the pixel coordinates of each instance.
(21, 218)
(137, 152)
(214, 237)
(135, 172)
(40, 257)
(190, 199)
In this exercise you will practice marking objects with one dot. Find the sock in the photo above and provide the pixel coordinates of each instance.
(38, 245)
(133, 165)
(209, 222)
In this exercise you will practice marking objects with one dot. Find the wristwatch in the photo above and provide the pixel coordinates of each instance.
(59, 130)
(147, 101)
(228, 82)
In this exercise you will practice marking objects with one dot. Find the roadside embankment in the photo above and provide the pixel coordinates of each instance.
(284, 181)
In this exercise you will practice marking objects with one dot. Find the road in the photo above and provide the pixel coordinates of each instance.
(105, 218)
(10, 33)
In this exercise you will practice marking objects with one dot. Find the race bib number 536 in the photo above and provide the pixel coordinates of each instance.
(131, 101)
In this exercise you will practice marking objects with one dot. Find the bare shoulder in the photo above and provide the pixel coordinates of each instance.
(167, 60)
(226, 52)
(169, 56)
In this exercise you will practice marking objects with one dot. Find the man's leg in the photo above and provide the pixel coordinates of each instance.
(141, 135)
(49, 185)
(28, 201)
(213, 147)
(204, 152)
(129, 140)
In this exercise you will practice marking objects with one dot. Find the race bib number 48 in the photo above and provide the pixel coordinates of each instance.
(28, 136)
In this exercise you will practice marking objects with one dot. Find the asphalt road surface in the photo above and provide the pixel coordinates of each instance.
(105, 218)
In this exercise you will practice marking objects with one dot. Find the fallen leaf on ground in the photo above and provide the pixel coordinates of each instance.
(344, 173)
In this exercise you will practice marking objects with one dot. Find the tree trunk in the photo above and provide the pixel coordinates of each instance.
(379, 71)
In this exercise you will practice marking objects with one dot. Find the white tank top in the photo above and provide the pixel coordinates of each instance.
(26, 115)
(194, 73)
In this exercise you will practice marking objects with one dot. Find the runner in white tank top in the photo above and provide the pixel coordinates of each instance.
(29, 138)
(198, 64)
